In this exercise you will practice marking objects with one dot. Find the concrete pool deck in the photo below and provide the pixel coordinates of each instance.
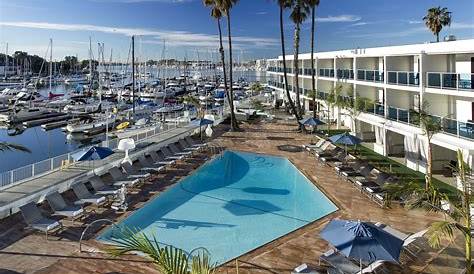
(28, 252)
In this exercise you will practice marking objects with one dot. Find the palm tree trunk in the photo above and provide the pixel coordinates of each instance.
(429, 159)
(296, 67)
(224, 72)
(437, 37)
(234, 125)
(468, 243)
(285, 76)
(313, 80)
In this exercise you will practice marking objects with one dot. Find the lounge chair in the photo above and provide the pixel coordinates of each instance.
(349, 165)
(148, 166)
(339, 156)
(330, 151)
(34, 219)
(101, 188)
(132, 172)
(188, 147)
(408, 240)
(177, 151)
(159, 159)
(325, 146)
(373, 183)
(361, 173)
(192, 143)
(85, 197)
(317, 145)
(57, 203)
(121, 179)
(169, 155)
(339, 262)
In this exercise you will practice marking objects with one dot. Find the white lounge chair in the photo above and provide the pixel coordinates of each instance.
(101, 188)
(57, 203)
(34, 219)
(85, 197)
(148, 166)
(120, 178)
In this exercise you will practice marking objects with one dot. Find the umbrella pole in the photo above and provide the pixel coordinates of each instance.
(360, 265)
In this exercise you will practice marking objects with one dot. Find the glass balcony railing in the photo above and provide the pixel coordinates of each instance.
(447, 80)
(345, 74)
(405, 78)
(308, 72)
(370, 75)
(455, 127)
(326, 72)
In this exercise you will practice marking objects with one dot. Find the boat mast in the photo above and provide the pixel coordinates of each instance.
(90, 64)
(6, 62)
(133, 73)
(50, 64)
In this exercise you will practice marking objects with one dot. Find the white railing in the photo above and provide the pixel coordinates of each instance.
(48, 165)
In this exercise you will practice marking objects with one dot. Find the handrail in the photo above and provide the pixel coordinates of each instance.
(89, 225)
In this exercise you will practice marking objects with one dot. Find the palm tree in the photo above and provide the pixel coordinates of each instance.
(216, 12)
(4, 146)
(332, 100)
(430, 126)
(456, 208)
(313, 4)
(298, 15)
(226, 6)
(168, 259)
(285, 4)
(436, 19)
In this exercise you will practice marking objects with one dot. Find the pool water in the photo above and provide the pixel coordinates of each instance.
(230, 206)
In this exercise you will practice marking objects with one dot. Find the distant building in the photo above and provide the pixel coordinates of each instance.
(261, 65)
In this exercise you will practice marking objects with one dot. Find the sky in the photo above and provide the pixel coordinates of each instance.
(187, 30)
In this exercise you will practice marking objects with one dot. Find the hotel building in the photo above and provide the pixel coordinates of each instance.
(392, 83)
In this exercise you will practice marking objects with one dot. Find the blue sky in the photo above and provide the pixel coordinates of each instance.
(188, 30)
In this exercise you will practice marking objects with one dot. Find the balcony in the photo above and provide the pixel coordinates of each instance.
(456, 128)
(453, 81)
(345, 74)
(308, 72)
(326, 72)
(370, 75)
(403, 78)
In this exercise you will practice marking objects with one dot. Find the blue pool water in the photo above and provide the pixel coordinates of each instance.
(231, 205)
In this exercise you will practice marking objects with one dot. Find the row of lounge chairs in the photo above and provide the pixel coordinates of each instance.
(360, 173)
(97, 192)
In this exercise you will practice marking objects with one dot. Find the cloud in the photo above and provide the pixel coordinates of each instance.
(339, 18)
(262, 13)
(141, 1)
(457, 26)
(359, 24)
(176, 38)
(414, 22)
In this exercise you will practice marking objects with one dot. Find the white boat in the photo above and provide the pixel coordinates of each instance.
(82, 126)
(7, 94)
(80, 107)
(133, 131)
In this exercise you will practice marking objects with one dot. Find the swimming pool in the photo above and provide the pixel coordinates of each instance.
(231, 205)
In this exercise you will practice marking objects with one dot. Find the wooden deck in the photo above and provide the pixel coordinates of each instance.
(27, 252)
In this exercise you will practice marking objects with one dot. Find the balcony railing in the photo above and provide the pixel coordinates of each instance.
(326, 72)
(370, 75)
(308, 72)
(345, 74)
(447, 80)
(455, 127)
(405, 78)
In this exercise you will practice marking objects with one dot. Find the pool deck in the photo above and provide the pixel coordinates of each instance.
(23, 251)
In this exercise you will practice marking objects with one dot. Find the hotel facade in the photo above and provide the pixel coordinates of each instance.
(392, 84)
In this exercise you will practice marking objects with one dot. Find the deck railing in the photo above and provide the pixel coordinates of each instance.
(370, 75)
(447, 80)
(404, 78)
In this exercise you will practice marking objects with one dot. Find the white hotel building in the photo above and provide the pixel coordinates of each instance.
(397, 79)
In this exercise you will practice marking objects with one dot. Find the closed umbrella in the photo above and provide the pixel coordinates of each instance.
(201, 122)
(362, 241)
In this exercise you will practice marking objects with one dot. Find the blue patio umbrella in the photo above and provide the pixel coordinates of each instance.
(311, 121)
(345, 139)
(362, 241)
(92, 153)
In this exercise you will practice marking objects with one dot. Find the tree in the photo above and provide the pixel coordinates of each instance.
(227, 5)
(332, 100)
(216, 12)
(298, 15)
(168, 259)
(256, 87)
(436, 19)
(313, 4)
(285, 4)
(430, 126)
(456, 207)
(353, 108)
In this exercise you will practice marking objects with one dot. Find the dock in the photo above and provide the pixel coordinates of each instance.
(34, 123)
